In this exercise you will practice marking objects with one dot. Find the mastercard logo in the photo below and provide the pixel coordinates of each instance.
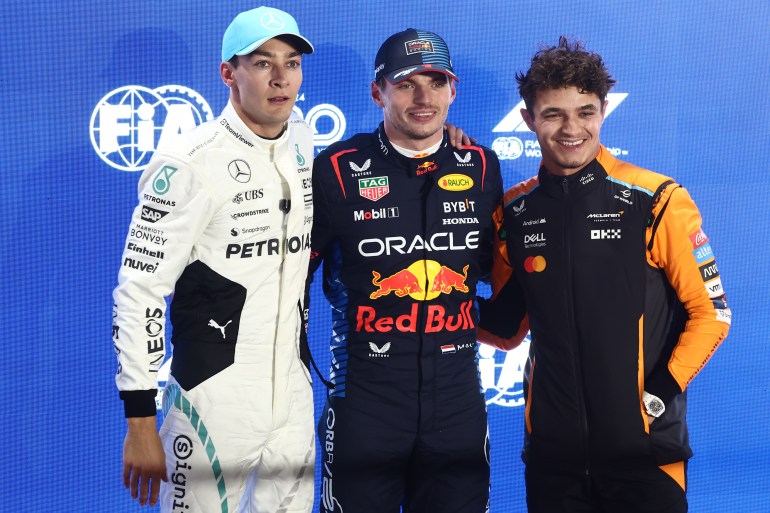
(534, 264)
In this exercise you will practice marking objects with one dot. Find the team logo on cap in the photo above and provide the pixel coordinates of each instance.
(418, 46)
(272, 21)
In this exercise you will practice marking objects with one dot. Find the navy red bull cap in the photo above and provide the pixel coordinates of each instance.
(410, 52)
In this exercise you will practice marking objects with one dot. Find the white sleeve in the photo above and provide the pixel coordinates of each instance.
(175, 206)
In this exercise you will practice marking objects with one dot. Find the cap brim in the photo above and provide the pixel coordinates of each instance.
(401, 74)
(299, 42)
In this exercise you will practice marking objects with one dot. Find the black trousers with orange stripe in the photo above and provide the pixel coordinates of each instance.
(648, 490)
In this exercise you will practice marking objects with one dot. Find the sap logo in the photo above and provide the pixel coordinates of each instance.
(605, 234)
(513, 122)
(130, 122)
(534, 237)
(152, 215)
(502, 374)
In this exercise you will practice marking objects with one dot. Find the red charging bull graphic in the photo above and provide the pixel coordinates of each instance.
(402, 283)
(446, 279)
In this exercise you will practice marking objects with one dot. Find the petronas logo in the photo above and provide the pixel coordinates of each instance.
(300, 158)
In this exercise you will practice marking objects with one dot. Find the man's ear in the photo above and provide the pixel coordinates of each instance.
(227, 72)
(376, 94)
(528, 119)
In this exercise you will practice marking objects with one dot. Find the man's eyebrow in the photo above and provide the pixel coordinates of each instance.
(273, 55)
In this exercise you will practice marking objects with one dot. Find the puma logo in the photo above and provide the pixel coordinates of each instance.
(214, 324)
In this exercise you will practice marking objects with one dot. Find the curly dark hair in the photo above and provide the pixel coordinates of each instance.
(568, 64)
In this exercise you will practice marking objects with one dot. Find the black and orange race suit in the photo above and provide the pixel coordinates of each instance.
(404, 242)
(622, 296)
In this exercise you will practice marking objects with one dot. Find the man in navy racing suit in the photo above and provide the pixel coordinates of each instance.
(223, 223)
(403, 226)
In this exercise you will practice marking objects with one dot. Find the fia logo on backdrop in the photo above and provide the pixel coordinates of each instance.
(502, 374)
(129, 123)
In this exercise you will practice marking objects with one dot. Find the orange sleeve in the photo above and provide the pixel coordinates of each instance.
(678, 245)
(503, 322)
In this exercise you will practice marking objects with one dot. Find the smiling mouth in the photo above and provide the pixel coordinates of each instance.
(571, 144)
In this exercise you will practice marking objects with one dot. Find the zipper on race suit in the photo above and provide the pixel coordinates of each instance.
(573, 324)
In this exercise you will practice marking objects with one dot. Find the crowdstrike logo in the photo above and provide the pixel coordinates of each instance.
(129, 123)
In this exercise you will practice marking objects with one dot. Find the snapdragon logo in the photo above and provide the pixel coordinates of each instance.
(511, 147)
(129, 123)
(502, 374)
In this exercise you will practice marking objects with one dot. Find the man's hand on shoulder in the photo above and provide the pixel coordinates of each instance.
(457, 137)
(144, 463)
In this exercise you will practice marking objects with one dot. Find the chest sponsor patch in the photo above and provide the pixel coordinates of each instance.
(373, 188)
(455, 182)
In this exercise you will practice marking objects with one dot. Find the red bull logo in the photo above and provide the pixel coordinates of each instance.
(426, 167)
(447, 279)
(401, 283)
(423, 280)
(437, 319)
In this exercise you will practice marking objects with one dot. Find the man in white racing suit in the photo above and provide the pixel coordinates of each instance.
(223, 228)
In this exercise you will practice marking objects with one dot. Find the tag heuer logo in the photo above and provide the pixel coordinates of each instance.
(373, 188)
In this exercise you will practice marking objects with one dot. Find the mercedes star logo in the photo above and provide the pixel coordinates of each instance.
(239, 170)
(272, 21)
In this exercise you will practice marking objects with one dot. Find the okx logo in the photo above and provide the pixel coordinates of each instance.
(129, 123)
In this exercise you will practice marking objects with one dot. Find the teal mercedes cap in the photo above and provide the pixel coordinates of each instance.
(251, 29)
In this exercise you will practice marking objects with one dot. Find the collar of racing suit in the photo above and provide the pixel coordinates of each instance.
(234, 126)
(414, 165)
(581, 182)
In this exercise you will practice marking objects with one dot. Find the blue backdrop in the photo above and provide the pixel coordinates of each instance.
(691, 101)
